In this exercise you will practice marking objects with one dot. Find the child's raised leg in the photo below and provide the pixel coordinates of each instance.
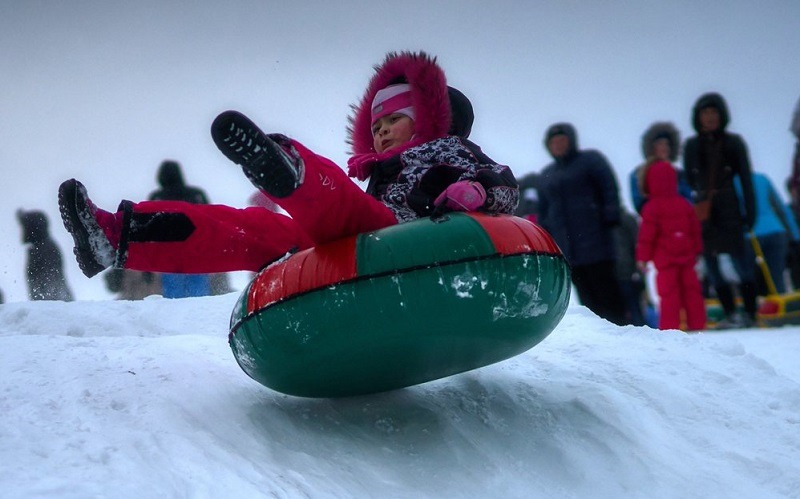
(174, 236)
(312, 189)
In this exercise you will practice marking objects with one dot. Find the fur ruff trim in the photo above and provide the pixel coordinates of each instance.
(428, 95)
(658, 129)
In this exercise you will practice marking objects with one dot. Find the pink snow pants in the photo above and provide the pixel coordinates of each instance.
(327, 206)
(679, 289)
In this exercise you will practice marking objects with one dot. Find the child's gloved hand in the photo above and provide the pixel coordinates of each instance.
(465, 195)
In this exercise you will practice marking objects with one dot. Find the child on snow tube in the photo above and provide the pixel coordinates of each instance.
(400, 143)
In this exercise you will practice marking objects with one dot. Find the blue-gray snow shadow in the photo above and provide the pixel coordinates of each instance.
(469, 423)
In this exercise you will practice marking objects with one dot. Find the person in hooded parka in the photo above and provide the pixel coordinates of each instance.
(174, 188)
(579, 206)
(44, 269)
(712, 160)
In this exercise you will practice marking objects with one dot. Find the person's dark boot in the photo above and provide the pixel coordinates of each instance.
(726, 299)
(88, 226)
(269, 161)
(750, 301)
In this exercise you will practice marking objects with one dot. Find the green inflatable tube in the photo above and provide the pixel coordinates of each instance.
(400, 306)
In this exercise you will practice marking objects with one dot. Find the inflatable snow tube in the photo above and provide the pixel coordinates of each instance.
(400, 306)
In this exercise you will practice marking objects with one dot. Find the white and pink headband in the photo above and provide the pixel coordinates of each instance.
(393, 99)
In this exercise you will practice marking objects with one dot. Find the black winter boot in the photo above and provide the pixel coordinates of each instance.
(725, 296)
(92, 249)
(750, 300)
(269, 161)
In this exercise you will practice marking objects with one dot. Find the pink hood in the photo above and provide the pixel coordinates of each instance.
(662, 180)
(428, 95)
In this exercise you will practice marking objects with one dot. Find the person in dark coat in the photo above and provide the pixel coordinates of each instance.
(794, 178)
(174, 188)
(793, 185)
(712, 159)
(631, 279)
(579, 207)
(45, 267)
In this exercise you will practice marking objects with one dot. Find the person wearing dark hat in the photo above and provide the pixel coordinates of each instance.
(579, 206)
(172, 187)
(712, 159)
(44, 271)
(173, 285)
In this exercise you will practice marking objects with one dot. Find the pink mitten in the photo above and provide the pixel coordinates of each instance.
(465, 195)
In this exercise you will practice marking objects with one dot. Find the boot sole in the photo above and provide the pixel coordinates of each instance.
(269, 168)
(69, 194)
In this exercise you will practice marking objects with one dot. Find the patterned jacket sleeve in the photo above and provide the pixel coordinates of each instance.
(502, 189)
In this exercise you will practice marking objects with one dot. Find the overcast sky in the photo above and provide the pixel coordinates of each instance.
(104, 90)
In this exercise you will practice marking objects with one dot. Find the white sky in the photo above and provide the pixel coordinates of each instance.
(104, 90)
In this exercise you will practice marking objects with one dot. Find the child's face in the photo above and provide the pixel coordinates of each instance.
(661, 149)
(392, 131)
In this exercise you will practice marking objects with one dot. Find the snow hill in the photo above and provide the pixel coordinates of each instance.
(144, 399)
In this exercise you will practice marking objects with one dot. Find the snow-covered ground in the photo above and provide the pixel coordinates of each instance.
(144, 399)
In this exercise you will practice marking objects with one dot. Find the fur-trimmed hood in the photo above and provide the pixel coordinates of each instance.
(658, 130)
(716, 101)
(429, 96)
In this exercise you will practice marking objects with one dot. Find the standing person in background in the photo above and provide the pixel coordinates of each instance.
(173, 188)
(712, 159)
(579, 207)
(793, 184)
(661, 141)
(132, 285)
(794, 178)
(45, 267)
(774, 229)
(670, 238)
(629, 275)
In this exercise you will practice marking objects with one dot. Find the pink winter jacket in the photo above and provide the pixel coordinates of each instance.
(670, 233)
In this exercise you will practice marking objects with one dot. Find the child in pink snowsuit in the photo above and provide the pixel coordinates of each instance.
(670, 236)
(399, 136)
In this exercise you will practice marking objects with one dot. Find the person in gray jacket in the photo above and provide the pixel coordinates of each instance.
(45, 266)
